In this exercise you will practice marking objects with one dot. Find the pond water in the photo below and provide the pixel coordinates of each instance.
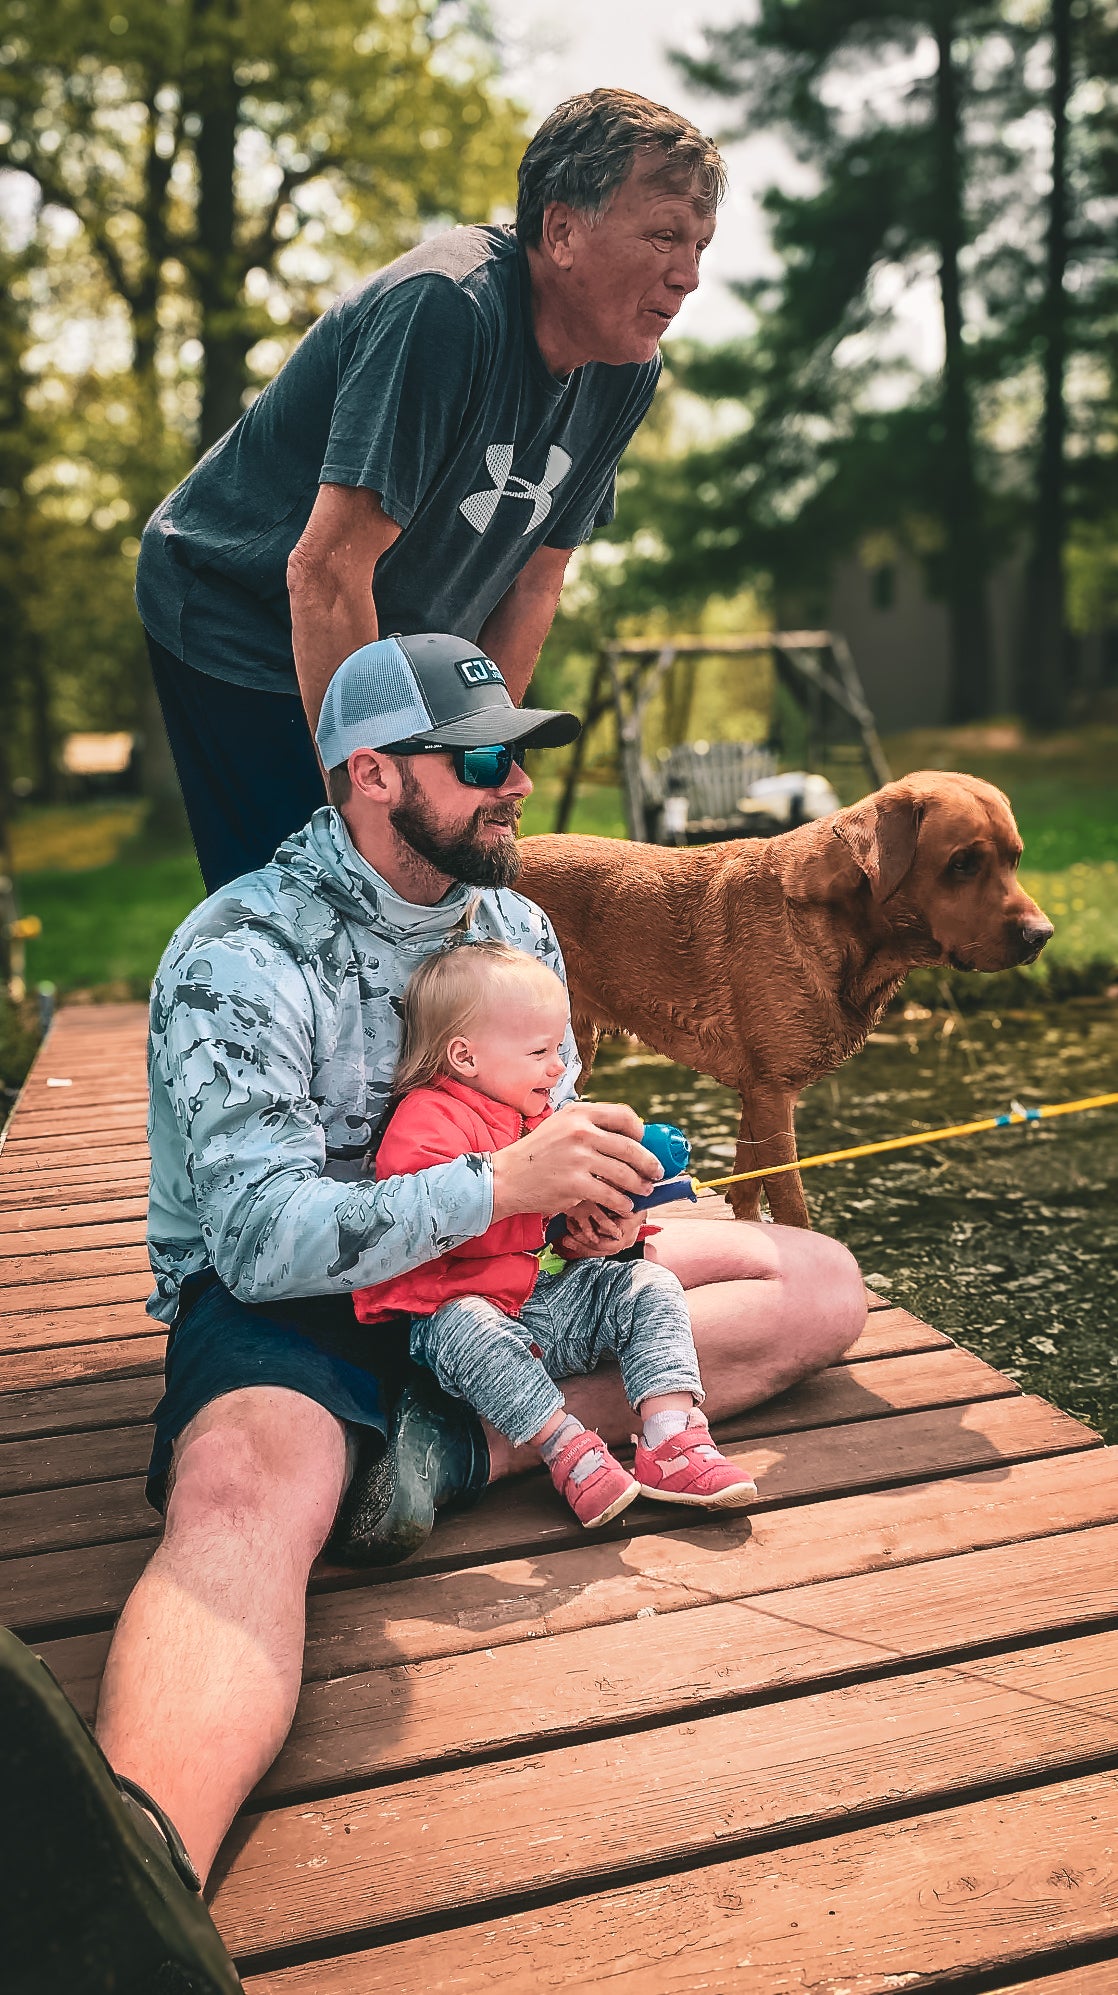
(1006, 1241)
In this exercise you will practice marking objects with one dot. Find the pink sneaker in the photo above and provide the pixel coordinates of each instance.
(603, 1493)
(688, 1468)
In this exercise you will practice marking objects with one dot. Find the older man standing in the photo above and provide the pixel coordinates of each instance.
(275, 1027)
(428, 458)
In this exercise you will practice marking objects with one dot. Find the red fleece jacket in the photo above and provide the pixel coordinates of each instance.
(431, 1126)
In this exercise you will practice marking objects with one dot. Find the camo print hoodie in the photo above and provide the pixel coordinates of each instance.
(275, 1026)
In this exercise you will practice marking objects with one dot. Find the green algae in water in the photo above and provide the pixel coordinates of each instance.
(1007, 1241)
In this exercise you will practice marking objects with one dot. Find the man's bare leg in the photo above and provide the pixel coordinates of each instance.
(769, 1305)
(204, 1671)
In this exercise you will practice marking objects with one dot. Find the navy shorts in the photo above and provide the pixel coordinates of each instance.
(314, 1346)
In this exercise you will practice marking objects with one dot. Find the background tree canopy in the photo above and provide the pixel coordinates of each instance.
(973, 147)
(192, 182)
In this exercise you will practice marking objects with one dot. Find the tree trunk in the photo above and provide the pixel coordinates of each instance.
(971, 678)
(143, 301)
(8, 713)
(165, 823)
(224, 379)
(1044, 654)
(44, 735)
(216, 265)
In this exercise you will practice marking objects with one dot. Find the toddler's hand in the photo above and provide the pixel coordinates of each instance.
(592, 1231)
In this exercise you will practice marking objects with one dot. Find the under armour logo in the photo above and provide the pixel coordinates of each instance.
(479, 507)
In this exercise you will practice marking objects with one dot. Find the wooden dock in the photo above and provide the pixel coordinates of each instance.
(866, 1740)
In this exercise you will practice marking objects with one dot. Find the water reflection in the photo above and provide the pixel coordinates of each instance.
(1006, 1241)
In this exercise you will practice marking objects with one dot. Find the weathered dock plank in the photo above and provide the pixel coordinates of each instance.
(29, 1241)
(392, 1722)
(71, 1409)
(115, 1357)
(35, 1273)
(51, 1328)
(35, 1297)
(507, 1829)
(40, 1187)
(904, 1904)
(21, 1220)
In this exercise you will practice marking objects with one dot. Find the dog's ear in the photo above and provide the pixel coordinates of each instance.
(881, 836)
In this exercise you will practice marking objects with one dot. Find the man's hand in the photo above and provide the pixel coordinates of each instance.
(593, 1232)
(590, 1153)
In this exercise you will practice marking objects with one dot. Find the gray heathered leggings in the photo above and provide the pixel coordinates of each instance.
(506, 1366)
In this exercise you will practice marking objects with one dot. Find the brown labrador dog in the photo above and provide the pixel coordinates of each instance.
(767, 962)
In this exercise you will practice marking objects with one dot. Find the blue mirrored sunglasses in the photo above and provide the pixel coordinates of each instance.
(477, 768)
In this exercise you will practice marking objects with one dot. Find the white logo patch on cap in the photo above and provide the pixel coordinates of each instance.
(479, 672)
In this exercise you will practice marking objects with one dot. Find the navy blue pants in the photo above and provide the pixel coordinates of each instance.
(246, 765)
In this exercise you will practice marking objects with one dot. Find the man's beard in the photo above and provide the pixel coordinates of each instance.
(460, 854)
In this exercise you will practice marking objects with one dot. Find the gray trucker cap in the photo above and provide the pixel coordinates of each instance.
(431, 688)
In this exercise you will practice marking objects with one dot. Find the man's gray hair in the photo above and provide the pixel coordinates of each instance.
(586, 147)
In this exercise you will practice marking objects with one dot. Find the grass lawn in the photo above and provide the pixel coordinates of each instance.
(108, 902)
(107, 926)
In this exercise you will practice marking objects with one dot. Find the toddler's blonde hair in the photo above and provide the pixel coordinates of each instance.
(449, 991)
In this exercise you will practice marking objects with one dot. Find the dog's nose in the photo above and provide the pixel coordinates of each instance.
(1034, 934)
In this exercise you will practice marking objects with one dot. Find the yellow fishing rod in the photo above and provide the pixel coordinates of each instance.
(1016, 1114)
(672, 1150)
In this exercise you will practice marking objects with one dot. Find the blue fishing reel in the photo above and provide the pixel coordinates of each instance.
(672, 1152)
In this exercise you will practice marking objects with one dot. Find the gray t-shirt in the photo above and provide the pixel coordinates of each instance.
(425, 385)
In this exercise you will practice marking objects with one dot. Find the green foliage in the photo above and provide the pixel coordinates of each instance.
(206, 176)
(889, 195)
(918, 131)
(228, 164)
(795, 480)
(598, 811)
(1092, 572)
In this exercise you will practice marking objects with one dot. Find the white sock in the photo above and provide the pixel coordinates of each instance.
(661, 1426)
